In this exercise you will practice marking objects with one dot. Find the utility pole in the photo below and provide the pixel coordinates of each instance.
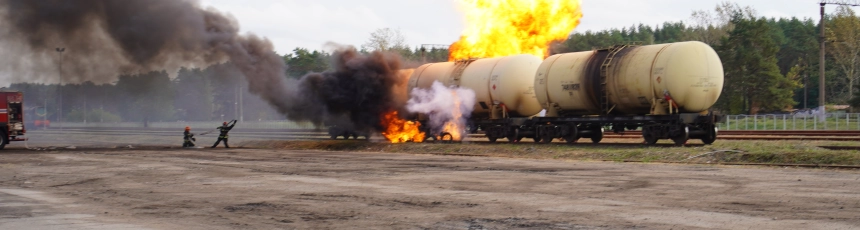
(60, 91)
(822, 40)
(805, 89)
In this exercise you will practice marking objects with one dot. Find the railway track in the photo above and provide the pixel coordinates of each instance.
(775, 133)
(310, 134)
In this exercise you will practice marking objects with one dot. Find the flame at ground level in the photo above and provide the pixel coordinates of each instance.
(454, 129)
(398, 130)
(455, 126)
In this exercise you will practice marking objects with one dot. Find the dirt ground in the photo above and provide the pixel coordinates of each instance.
(106, 185)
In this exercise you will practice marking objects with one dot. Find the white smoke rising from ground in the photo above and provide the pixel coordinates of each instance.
(443, 105)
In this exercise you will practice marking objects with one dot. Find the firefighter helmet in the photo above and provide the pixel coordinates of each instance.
(187, 128)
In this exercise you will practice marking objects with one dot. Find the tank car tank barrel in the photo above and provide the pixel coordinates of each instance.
(631, 80)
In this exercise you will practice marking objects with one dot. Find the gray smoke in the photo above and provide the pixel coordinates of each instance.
(105, 38)
(443, 105)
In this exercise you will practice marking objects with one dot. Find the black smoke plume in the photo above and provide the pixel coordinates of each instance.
(105, 38)
(360, 88)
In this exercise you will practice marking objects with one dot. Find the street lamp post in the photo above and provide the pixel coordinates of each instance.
(60, 91)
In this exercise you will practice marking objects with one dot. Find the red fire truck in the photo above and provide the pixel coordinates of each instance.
(11, 116)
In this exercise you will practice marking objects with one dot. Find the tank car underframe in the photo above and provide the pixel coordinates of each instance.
(677, 127)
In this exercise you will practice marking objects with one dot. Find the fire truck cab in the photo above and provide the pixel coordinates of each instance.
(11, 116)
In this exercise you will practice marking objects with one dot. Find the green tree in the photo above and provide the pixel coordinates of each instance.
(753, 80)
(302, 62)
(146, 97)
(843, 35)
(194, 95)
(710, 27)
(800, 49)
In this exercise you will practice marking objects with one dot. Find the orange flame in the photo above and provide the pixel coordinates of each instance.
(455, 126)
(498, 28)
(398, 130)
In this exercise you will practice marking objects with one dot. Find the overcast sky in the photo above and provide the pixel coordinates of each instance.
(311, 24)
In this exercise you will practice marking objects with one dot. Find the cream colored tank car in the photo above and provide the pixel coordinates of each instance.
(503, 80)
(639, 80)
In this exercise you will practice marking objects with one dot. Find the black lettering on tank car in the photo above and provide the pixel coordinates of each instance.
(570, 87)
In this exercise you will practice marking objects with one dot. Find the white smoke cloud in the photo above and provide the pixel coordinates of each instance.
(443, 105)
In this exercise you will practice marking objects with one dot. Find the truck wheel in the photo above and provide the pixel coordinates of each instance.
(597, 136)
(682, 137)
(711, 136)
(547, 138)
(650, 138)
(4, 139)
(572, 135)
(514, 135)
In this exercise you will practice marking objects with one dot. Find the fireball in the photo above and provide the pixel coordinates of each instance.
(497, 28)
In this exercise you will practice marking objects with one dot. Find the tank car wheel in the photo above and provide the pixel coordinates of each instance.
(492, 139)
(573, 136)
(649, 136)
(514, 136)
(346, 136)
(546, 139)
(537, 136)
(547, 134)
(355, 136)
(4, 138)
(711, 136)
(333, 137)
(598, 135)
(681, 138)
(446, 137)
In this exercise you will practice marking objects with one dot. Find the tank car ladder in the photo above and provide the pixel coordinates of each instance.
(459, 67)
(605, 107)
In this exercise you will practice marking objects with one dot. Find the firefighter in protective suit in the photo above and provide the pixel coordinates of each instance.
(224, 128)
(189, 138)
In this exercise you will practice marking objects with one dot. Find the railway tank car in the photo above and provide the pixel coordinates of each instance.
(498, 82)
(665, 89)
